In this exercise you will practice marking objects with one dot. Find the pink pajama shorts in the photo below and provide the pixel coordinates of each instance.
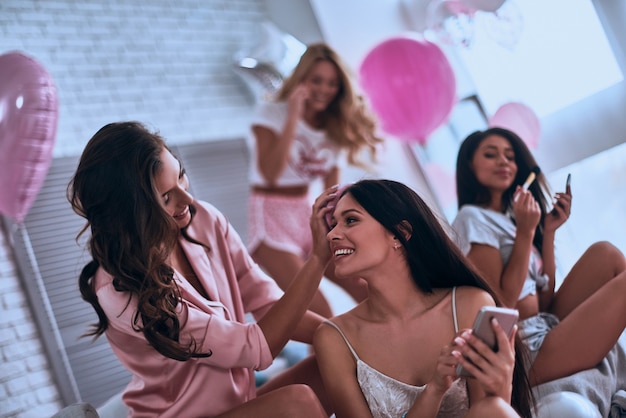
(280, 222)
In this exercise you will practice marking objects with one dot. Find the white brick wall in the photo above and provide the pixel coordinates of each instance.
(26, 386)
(165, 63)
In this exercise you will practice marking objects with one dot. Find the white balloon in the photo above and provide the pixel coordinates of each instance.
(506, 25)
(450, 23)
(566, 405)
(485, 5)
(264, 68)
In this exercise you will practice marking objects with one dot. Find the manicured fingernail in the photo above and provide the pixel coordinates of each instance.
(459, 341)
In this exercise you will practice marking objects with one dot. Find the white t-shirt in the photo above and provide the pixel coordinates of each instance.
(312, 154)
(476, 225)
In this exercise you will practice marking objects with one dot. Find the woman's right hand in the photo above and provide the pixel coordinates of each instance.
(526, 210)
(297, 100)
(492, 370)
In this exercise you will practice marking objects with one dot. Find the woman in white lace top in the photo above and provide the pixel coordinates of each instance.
(395, 354)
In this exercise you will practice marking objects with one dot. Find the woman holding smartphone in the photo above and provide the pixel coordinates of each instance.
(507, 231)
(396, 353)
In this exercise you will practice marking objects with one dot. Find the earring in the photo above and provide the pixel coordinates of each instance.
(395, 246)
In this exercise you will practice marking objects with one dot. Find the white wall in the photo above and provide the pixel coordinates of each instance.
(26, 385)
(167, 64)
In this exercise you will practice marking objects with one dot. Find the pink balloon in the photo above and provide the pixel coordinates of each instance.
(519, 118)
(410, 85)
(28, 123)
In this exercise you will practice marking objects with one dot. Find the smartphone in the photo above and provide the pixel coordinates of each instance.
(568, 190)
(506, 317)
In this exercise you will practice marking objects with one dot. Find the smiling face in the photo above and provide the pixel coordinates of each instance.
(358, 242)
(494, 164)
(172, 184)
(323, 85)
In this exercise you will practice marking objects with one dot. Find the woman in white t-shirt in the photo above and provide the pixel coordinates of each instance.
(507, 232)
(296, 139)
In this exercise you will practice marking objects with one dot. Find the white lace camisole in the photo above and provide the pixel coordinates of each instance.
(390, 398)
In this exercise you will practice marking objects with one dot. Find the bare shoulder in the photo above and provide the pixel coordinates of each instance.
(472, 294)
(323, 334)
(332, 328)
(469, 300)
(331, 348)
(349, 324)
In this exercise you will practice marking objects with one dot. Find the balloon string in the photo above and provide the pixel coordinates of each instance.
(38, 295)
(9, 228)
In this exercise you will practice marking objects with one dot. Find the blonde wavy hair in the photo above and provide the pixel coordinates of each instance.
(347, 120)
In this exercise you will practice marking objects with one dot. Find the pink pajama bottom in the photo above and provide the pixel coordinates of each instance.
(280, 222)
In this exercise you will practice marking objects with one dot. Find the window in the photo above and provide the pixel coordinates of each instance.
(562, 56)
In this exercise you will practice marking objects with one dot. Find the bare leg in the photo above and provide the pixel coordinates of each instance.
(286, 402)
(304, 372)
(598, 265)
(492, 406)
(585, 336)
(283, 267)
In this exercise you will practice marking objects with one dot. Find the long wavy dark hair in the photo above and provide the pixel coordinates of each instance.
(434, 260)
(470, 191)
(132, 236)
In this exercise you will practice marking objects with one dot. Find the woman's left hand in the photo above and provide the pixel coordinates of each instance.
(560, 213)
(445, 373)
(493, 370)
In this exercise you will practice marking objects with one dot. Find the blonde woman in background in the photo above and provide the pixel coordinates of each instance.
(298, 138)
